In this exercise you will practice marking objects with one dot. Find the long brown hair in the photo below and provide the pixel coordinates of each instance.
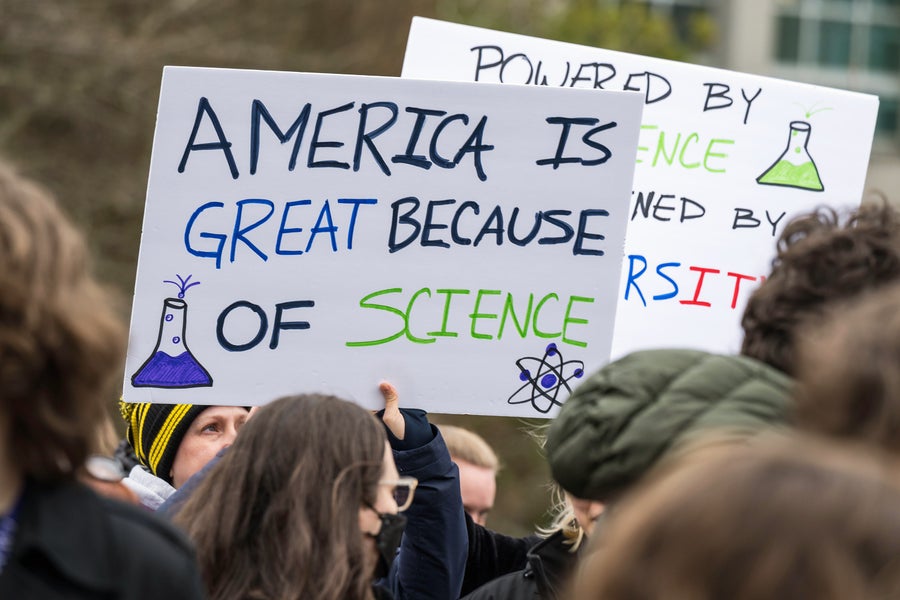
(277, 518)
(60, 341)
(796, 518)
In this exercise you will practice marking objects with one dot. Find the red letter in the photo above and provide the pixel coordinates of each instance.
(703, 271)
(737, 285)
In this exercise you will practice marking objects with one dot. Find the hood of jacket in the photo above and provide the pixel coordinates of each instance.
(625, 417)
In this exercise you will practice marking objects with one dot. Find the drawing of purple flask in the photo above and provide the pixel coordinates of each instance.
(171, 365)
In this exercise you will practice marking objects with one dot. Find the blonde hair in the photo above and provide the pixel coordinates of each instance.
(561, 511)
(563, 520)
(467, 445)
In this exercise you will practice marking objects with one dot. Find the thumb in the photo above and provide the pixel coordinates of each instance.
(391, 398)
(392, 417)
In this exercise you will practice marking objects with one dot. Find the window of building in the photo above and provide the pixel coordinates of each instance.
(861, 38)
(884, 48)
(863, 34)
(888, 116)
(834, 44)
(788, 38)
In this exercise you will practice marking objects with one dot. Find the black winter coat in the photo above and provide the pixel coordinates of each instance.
(72, 544)
(550, 564)
(492, 555)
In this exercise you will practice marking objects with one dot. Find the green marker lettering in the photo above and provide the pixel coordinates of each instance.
(521, 327)
(409, 307)
(537, 310)
(364, 303)
(443, 332)
(710, 153)
(661, 149)
(645, 148)
(476, 314)
(569, 319)
(692, 165)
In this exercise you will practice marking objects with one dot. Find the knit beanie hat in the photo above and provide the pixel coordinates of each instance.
(155, 432)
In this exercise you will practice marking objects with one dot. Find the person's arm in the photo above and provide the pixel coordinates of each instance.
(432, 556)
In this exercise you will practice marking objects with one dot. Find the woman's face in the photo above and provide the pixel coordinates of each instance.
(586, 512)
(369, 521)
(212, 430)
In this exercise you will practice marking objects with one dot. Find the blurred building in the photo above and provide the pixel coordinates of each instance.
(847, 44)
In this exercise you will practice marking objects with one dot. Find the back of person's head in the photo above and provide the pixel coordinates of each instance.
(478, 465)
(820, 259)
(798, 519)
(60, 340)
(622, 420)
(277, 517)
(848, 371)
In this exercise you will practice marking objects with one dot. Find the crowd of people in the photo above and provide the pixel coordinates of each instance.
(681, 474)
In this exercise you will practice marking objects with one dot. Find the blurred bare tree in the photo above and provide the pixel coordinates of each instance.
(79, 84)
(624, 25)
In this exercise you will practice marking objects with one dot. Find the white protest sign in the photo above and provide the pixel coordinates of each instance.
(320, 233)
(725, 159)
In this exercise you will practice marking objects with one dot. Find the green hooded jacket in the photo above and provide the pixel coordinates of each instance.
(622, 419)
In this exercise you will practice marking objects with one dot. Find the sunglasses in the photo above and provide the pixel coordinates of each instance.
(404, 489)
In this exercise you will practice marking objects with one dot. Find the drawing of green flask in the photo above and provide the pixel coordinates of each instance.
(795, 167)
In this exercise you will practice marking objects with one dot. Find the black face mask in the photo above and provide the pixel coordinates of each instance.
(387, 540)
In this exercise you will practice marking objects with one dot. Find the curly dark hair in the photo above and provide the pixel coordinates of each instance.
(61, 343)
(820, 260)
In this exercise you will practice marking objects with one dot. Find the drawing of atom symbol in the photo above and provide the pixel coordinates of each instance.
(545, 377)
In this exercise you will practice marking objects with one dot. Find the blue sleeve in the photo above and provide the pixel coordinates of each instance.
(418, 429)
(432, 557)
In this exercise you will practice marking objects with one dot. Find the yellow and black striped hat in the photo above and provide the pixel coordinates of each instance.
(155, 432)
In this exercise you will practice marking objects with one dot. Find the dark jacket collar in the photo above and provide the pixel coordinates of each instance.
(66, 524)
(550, 562)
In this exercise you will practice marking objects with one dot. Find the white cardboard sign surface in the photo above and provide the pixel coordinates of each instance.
(320, 233)
(725, 159)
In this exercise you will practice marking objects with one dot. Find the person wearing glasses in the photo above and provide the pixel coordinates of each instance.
(316, 499)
